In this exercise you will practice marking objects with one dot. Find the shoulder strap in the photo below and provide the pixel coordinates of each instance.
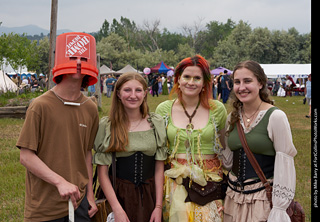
(254, 162)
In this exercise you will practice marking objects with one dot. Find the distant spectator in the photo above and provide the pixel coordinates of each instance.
(165, 87)
(34, 86)
(104, 86)
(289, 85)
(275, 88)
(110, 83)
(42, 81)
(307, 92)
(225, 89)
(159, 85)
(155, 86)
(219, 86)
(25, 80)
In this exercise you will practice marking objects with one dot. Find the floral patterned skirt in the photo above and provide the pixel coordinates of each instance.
(176, 209)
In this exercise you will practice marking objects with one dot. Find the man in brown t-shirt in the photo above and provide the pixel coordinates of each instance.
(56, 141)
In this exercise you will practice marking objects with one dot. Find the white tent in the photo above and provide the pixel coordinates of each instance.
(127, 68)
(6, 84)
(281, 70)
(104, 70)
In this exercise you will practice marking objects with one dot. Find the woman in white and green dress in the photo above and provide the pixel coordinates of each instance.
(268, 134)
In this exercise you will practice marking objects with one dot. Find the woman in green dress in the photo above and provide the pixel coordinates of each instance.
(165, 87)
(195, 124)
(139, 140)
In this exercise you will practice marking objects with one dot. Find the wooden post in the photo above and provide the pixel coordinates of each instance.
(53, 35)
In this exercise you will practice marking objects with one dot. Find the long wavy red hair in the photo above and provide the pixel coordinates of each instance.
(197, 60)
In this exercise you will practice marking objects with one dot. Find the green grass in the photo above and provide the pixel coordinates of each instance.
(12, 173)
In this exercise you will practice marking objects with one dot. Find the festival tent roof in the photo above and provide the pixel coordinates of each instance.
(6, 84)
(218, 70)
(281, 70)
(127, 68)
(104, 70)
(160, 68)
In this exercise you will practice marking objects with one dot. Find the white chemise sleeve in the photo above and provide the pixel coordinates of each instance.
(284, 183)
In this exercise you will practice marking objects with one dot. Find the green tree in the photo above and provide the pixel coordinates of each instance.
(209, 38)
(43, 54)
(261, 46)
(234, 48)
(170, 41)
(114, 50)
(305, 51)
(17, 49)
(126, 29)
(184, 51)
(103, 32)
(285, 46)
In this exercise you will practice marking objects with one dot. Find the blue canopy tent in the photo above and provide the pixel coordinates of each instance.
(160, 68)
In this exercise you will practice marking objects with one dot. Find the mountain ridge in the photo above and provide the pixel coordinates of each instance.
(29, 30)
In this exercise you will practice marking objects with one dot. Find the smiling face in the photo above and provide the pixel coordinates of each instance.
(246, 85)
(191, 81)
(131, 94)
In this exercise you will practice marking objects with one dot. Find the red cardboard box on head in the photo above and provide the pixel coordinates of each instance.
(73, 48)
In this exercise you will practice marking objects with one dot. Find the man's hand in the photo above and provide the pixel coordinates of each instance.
(68, 190)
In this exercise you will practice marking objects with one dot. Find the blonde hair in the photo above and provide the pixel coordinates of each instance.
(118, 117)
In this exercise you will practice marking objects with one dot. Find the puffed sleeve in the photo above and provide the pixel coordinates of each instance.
(161, 136)
(164, 110)
(284, 183)
(101, 143)
(220, 113)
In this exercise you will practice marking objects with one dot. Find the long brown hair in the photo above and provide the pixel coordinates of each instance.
(118, 117)
(258, 72)
(199, 61)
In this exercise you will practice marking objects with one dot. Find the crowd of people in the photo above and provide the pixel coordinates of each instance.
(184, 162)
(30, 84)
(157, 84)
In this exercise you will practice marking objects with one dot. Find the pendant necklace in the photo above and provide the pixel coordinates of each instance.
(190, 126)
(131, 130)
(69, 103)
(249, 119)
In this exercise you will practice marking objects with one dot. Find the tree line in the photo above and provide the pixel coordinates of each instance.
(123, 42)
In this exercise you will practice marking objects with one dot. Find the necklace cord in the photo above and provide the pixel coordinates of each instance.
(249, 119)
(190, 117)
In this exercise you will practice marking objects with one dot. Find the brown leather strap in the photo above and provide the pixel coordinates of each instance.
(114, 170)
(254, 162)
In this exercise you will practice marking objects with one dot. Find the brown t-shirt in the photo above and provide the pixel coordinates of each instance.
(60, 135)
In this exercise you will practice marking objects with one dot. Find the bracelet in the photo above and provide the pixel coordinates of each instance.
(159, 206)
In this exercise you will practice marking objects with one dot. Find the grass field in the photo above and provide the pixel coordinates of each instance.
(12, 173)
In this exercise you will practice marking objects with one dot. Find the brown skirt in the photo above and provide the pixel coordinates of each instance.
(137, 201)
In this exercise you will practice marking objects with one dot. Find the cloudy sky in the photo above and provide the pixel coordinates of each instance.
(88, 15)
